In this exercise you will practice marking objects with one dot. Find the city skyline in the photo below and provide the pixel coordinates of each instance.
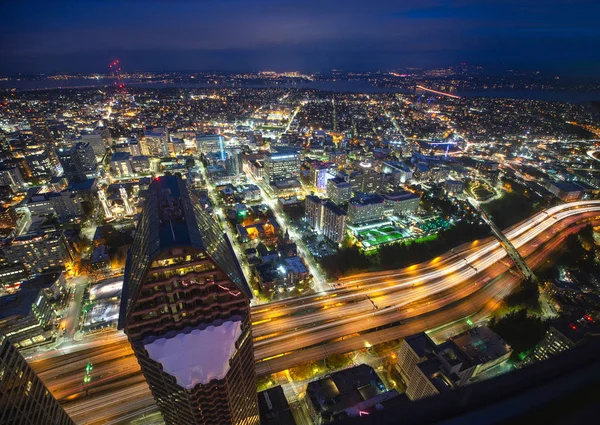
(279, 212)
(554, 37)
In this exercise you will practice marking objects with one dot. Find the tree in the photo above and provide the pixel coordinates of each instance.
(520, 330)
(527, 296)
(337, 361)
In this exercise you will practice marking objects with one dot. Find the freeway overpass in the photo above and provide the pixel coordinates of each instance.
(367, 309)
(505, 242)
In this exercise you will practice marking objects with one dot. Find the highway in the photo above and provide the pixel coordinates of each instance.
(364, 310)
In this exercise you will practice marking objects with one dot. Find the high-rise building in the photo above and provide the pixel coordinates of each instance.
(339, 190)
(282, 163)
(186, 311)
(78, 162)
(326, 217)
(233, 163)
(318, 174)
(24, 399)
(38, 251)
(11, 176)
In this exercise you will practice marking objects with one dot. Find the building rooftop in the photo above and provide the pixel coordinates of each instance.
(344, 388)
(19, 304)
(401, 196)
(330, 205)
(420, 343)
(339, 182)
(364, 199)
(197, 356)
(120, 156)
(274, 408)
(481, 345)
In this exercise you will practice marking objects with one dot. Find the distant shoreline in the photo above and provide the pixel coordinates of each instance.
(352, 86)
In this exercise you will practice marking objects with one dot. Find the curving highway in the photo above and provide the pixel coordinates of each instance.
(363, 310)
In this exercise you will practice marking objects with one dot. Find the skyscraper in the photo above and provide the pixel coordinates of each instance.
(78, 162)
(186, 311)
(24, 399)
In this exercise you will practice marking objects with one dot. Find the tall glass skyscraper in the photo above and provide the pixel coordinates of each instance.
(186, 311)
(24, 399)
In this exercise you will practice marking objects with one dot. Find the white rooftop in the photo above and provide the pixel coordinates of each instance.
(199, 356)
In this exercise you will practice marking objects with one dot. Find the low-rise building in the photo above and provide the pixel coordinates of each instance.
(121, 164)
(454, 186)
(334, 396)
(565, 191)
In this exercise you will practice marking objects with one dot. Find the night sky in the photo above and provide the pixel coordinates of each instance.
(554, 36)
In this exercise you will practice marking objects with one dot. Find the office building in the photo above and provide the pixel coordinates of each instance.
(10, 175)
(339, 190)
(366, 208)
(454, 186)
(401, 203)
(186, 312)
(282, 164)
(29, 316)
(209, 142)
(428, 369)
(338, 158)
(326, 217)
(140, 164)
(78, 162)
(565, 191)
(155, 142)
(400, 172)
(366, 180)
(413, 350)
(564, 334)
(38, 251)
(40, 165)
(65, 205)
(233, 163)
(24, 399)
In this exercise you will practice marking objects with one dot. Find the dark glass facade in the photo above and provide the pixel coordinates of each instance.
(24, 399)
(182, 277)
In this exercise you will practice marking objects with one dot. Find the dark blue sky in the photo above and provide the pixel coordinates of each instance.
(556, 36)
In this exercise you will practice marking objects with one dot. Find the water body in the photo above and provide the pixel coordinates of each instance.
(354, 86)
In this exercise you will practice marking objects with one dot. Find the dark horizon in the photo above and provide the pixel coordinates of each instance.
(556, 37)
